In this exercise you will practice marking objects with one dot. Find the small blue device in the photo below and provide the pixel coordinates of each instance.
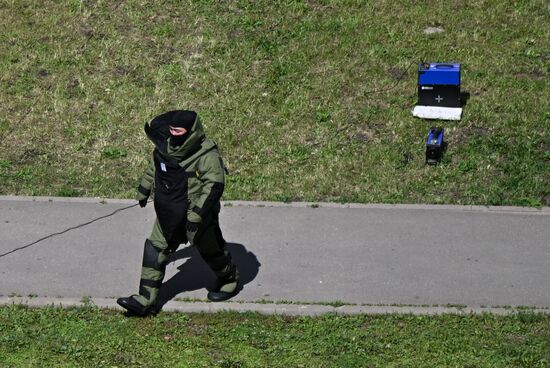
(434, 146)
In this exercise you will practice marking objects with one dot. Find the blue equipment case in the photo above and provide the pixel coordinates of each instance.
(434, 146)
(439, 85)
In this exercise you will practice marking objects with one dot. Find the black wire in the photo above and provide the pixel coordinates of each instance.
(66, 230)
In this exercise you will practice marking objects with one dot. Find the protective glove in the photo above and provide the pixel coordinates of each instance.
(191, 227)
(143, 195)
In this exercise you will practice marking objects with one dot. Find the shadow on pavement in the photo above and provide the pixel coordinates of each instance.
(195, 274)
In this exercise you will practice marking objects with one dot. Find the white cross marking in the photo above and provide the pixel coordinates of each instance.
(439, 99)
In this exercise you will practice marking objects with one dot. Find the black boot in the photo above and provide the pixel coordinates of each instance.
(226, 287)
(135, 308)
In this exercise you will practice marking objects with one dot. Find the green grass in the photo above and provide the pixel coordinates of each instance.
(283, 87)
(90, 337)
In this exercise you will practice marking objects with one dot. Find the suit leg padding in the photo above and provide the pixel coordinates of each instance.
(152, 256)
(212, 248)
(152, 271)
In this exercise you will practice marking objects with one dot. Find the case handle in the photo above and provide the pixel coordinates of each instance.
(444, 66)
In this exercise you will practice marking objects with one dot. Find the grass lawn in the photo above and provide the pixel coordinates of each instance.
(90, 337)
(285, 88)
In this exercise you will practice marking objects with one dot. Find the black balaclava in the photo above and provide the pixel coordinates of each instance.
(182, 119)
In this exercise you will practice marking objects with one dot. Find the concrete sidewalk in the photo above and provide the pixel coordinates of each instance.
(323, 253)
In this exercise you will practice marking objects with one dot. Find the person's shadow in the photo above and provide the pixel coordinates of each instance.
(195, 274)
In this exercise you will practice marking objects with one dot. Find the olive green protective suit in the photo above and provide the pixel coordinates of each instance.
(200, 163)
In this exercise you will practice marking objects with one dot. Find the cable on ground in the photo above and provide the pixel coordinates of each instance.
(67, 230)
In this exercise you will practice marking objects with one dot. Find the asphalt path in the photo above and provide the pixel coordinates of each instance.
(298, 252)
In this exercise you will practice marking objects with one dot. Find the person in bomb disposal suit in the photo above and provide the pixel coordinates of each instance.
(187, 176)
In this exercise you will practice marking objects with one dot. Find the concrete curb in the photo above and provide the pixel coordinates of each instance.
(271, 308)
(486, 209)
(238, 203)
